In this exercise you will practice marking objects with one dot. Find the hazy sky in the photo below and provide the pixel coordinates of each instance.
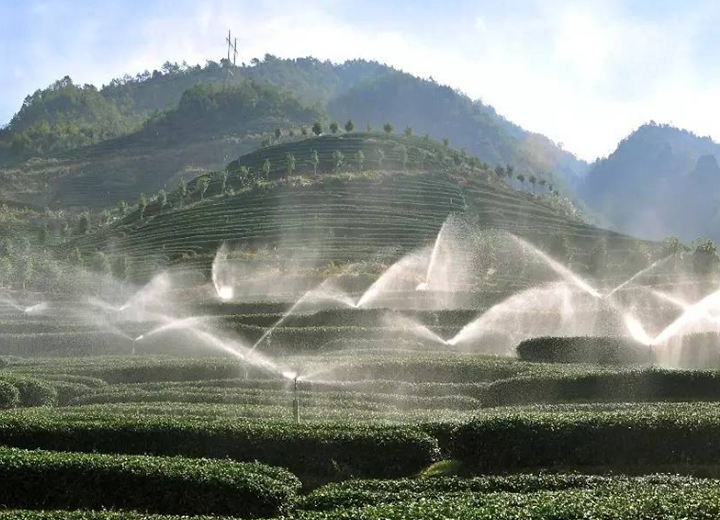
(585, 73)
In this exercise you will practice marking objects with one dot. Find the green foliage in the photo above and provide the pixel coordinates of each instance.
(47, 480)
(84, 223)
(639, 435)
(334, 128)
(705, 256)
(349, 126)
(290, 163)
(387, 128)
(313, 449)
(408, 131)
(9, 395)
(317, 128)
(338, 160)
(266, 168)
(162, 198)
(599, 350)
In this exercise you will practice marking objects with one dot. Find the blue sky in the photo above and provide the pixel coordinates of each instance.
(585, 73)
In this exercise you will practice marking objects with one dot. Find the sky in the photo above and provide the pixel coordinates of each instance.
(584, 73)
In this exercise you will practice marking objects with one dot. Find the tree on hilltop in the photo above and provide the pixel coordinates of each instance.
(266, 169)
(317, 128)
(290, 163)
(349, 126)
(202, 186)
(334, 128)
(380, 154)
(315, 161)
(408, 131)
(388, 128)
(338, 159)
(360, 159)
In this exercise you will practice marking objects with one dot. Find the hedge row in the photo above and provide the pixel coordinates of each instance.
(174, 485)
(317, 449)
(24, 391)
(20, 514)
(628, 386)
(638, 435)
(583, 349)
(360, 493)
(620, 501)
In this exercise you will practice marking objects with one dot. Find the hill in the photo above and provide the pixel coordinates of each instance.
(428, 107)
(79, 145)
(660, 181)
(211, 124)
(370, 197)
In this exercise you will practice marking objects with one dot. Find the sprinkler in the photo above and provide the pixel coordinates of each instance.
(296, 403)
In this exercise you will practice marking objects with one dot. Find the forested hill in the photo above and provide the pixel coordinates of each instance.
(660, 181)
(68, 117)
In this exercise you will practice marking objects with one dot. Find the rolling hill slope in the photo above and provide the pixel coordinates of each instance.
(339, 215)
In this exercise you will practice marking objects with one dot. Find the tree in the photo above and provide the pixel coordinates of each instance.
(424, 154)
(500, 171)
(380, 154)
(315, 161)
(317, 128)
(403, 154)
(223, 180)
(338, 159)
(266, 169)
(705, 256)
(360, 159)
(245, 176)
(162, 198)
(521, 178)
(542, 182)
(304, 131)
(349, 126)
(368, 128)
(183, 190)
(84, 223)
(408, 131)
(122, 208)
(278, 133)
(142, 204)
(445, 142)
(671, 247)
(509, 171)
(202, 186)
(290, 163)
(334, 128)
(388, 128)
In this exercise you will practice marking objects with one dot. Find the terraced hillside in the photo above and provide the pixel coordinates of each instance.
(396, 200)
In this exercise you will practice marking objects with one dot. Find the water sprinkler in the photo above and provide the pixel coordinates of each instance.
(296, 402)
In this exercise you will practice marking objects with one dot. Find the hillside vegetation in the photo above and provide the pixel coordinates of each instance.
(136, 134)
(364, 195)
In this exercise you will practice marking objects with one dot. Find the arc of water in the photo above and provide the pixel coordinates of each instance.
(173, 324)
(321, 292)
(556, 266)
(696, 311)
(638, 274)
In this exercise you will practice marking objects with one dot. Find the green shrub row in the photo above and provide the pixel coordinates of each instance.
(316, 449)
(630, 435)
(21, 514)
(360, 493)
(605, 386)
(621, 501)
(30, 392)
(583, 349)
(174, 485)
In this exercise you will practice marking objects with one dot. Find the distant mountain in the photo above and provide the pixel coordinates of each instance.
(440, 111)
(660, 181)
